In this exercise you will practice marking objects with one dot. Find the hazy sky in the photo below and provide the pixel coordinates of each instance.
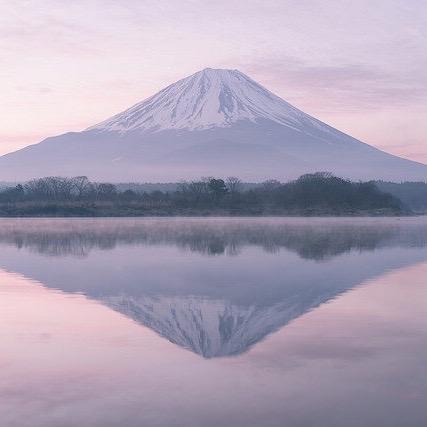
(360, 66)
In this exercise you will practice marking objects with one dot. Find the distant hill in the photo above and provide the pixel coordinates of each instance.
(412, 194)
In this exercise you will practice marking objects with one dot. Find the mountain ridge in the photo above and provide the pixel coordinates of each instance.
(212, 123)
(208, 98)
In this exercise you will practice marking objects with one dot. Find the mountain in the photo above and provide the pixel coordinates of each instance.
(209, 99)
(215, 328)
(215, 122)
(215, 287)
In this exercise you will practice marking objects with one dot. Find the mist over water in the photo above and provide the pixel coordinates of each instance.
(311, 238)
(213, 322)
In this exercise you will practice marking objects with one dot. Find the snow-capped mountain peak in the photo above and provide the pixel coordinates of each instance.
(213, 123)
(210, 328)
(206, 99)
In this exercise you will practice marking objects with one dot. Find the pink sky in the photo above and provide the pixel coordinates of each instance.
(359, 66)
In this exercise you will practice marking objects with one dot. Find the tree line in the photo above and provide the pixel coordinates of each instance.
(319, 192)
(412, 194)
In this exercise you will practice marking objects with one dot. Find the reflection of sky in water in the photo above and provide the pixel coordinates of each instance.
(103, 339)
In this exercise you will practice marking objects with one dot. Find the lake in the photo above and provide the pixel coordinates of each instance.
(213, 322)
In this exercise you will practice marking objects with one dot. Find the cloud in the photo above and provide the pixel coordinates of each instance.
(45, 90)
(43, 29)
(34, 89)
(337, 88)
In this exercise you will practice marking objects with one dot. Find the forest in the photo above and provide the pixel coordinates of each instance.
(317, 194)
(412, 194)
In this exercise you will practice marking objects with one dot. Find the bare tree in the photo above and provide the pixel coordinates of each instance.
(183, 187)
(194, 189)
(271, 184)
(105, 191)
(234, 184)
(50, 188)
(82, 186)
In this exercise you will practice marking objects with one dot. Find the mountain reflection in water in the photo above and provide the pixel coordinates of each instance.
(213, 286)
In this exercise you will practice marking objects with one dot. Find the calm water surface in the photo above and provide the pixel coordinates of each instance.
(213, 322)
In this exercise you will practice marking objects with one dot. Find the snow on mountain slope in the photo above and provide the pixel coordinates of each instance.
(213, 123)
(209, 98)
(211, 328)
